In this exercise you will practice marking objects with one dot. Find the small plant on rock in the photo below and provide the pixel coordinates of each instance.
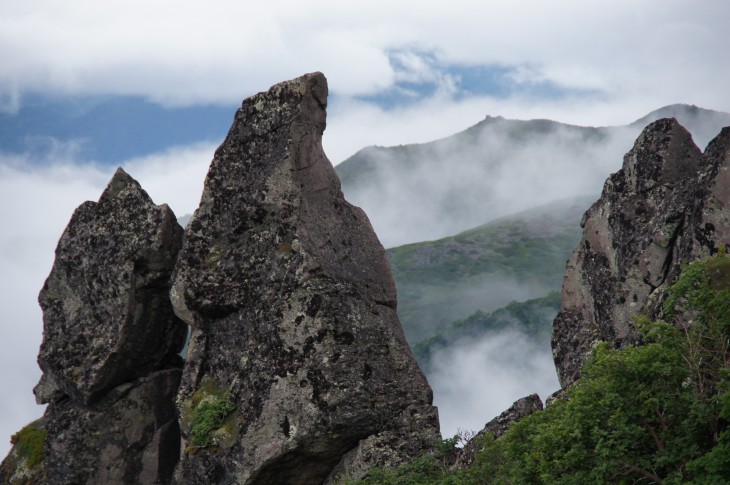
(208, 413)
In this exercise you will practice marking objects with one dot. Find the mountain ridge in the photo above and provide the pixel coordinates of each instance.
(499, 166)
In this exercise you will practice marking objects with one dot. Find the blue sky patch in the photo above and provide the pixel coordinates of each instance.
(107, 129)
(420, 75)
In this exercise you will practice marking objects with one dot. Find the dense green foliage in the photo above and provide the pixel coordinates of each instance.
(653, 413)
(533, 317)
(29, 442)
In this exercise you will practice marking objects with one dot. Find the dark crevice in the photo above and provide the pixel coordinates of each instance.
(669, 259)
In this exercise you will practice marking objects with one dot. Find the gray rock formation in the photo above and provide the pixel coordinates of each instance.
(107, 317)
(667, 205)
(110, 342)
(296, 350)
(498, 426)
(130, 435)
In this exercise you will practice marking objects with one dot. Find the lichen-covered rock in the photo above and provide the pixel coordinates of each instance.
(107, 317)
(667, 205)
(130, 435)
(292, 306)
(111, 342)
(714, 226)
(498, 426)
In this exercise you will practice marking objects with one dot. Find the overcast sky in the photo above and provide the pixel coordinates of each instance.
(399, 72)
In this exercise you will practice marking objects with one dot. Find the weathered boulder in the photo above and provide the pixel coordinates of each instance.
(498, 426)
(106, 310)
(111, 342)
(667, 205)
(296, 347)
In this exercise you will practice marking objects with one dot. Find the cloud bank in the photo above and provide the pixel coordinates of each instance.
(601, 62)
(475, 381)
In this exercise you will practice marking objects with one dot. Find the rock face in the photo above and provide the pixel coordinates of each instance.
(130, 435)
(295, 337)
(668, 204)
(110, 342)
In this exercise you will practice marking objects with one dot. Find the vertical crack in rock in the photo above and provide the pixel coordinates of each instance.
(292, 306)
(110, 343)
(668, 205)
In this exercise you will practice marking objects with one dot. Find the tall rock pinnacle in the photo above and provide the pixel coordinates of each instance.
(295, 337)
(668, 205)
(110, 343)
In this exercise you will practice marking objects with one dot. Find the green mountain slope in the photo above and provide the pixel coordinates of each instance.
(511, 259)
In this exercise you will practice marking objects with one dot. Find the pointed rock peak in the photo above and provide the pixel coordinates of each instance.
(110, 346)
(663, 154)
(667, 206)
(302, 100)
(292, 305)
(119, 182)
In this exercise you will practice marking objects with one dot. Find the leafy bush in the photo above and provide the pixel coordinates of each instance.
(656, 412)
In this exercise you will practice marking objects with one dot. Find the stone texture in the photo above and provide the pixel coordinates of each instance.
(131, 435)
(667, 205)
(106, 311)
(292, 306)
(111, 342)
(498, 426)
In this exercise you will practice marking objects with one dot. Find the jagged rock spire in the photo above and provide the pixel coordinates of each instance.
(107, 317)
(669, 204)
(292, 306)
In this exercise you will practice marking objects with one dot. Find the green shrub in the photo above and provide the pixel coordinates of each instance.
(656, 413)
(209, 416)
(208, 413)
(29, 443)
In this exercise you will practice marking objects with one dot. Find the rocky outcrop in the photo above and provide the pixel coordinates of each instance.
(110, 343)
(295, 338)
(667, 205)
(498, 426)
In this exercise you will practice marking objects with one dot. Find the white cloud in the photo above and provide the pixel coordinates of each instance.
(186, 52)
(475, 381)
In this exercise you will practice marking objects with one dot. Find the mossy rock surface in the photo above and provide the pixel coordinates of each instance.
(25, 462)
